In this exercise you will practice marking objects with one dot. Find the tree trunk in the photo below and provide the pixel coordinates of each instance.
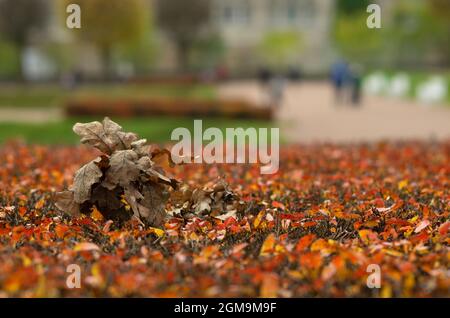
(183, 56)
(107, 63)
(21, 71)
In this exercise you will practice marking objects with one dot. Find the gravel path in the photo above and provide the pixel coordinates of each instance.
(30, 115)
(308, 114)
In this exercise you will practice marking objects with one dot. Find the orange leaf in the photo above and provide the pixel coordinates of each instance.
(86, 246)
(270, 285)
(304, 242)
(268, 246)
(443, 229)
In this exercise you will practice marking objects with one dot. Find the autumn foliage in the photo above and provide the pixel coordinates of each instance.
(121, 182)
(309, 230)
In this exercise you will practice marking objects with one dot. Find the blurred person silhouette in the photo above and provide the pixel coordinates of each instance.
(71, 80)
(264, 75)
(276, 91)
(294, 74)
(355, 77)
(339, 78)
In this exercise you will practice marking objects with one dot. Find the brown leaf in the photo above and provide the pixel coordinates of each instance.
(181, 195)
(65, 202)
(201, 201)
(153, 204)
(146, 166)
(162, 157)
(89, 174)
(107, 136)
(141, 148)
(149, 205)
(132, 195)
(123, 169)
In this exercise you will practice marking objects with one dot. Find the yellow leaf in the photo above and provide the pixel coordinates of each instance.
(386, 292)
(295, 274)
(279, 248)
(125, 202)
(258, 219)
(371, 223)
(402, 184)
(393, 253)
(41, 289)
(95, 214)
(365, 235)
(319, 245)
(158, 232)
(193, 236)
(26, 261)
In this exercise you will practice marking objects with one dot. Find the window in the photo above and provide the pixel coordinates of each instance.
(292, 12)
(236, 12)
(307, 12)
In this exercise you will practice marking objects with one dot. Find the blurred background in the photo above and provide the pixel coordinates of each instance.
(312, 67)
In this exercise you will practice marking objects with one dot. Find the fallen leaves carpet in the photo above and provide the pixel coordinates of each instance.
(312, 229)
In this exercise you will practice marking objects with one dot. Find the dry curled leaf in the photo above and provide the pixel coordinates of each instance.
(106, 136)
(65, 201)
(124, 178)
(123, 169)
(89, 174)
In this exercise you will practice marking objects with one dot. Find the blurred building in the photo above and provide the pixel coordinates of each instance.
(243, 25)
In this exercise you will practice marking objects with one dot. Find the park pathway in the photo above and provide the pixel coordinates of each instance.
(308, 114)
(29, 115)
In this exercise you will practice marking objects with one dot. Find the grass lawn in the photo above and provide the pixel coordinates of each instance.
(155, 129)
(43, 95)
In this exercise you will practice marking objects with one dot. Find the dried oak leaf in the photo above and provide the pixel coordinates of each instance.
(149, 205)
(141, 148)
(201, 201)
(106, 136)
(89, 174)
(132, 195)
(146, 165)
(65, 202)
(214, 201)
(123, 169)
(155, 198)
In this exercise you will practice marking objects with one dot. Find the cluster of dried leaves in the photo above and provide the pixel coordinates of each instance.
(310, 230)
(124, 180)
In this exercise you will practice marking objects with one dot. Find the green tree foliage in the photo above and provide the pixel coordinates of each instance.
(18, 18)
(440, 11)
(9, 60)
(356, 41)
(112, 24)
(183, 20)
(207, 51)
(414, 33)
(420, 32)
(345, 7)
(279, 48)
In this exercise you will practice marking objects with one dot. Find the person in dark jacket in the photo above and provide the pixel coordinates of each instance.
(339, 77)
